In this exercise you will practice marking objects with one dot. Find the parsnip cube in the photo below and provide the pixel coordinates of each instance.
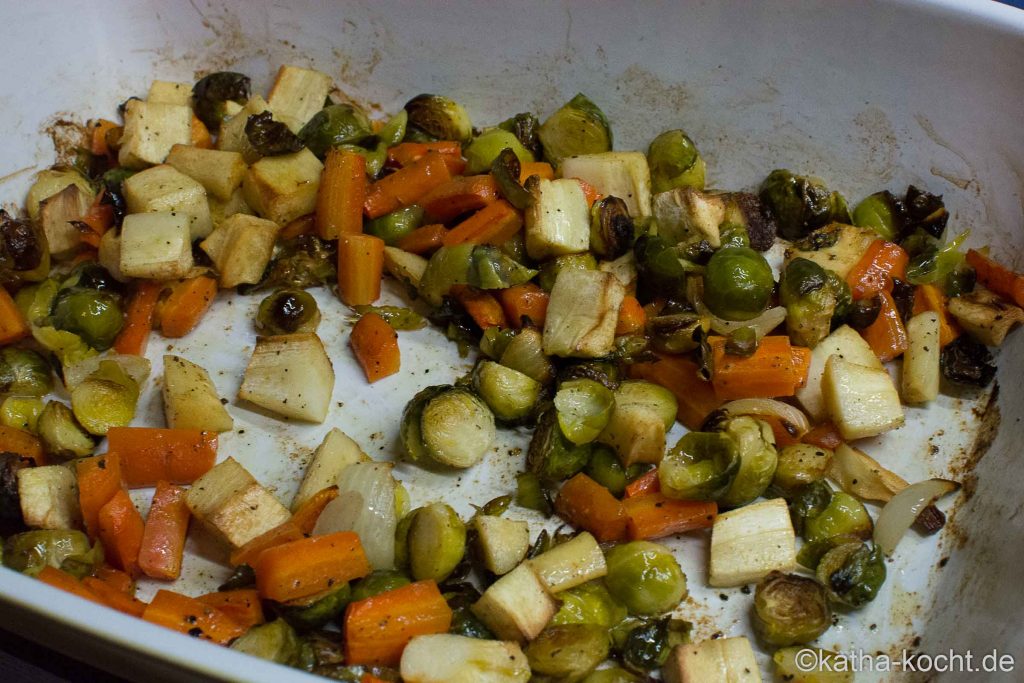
(156, 246)
(241, 249)
(298, 94)
(582, 314)
(861, 401)
(846, 250)
(336, 452)
(150, 130)
(211, 491)
(844, 342)
(282, 188)
(921, 372)
(625, 175)
(749, 542)
(643, 414)
(247, 514)
(218, 171)
(164, 188)
(559, 221)
(985, 316)
(404, 266)
(49, 497)
(190, 399)
(686, 214)
(446, 658)
(55, 216)
(221, 210)
(290, 375)
(109, 254)
(570, 564)
(503, 542)
(516, 606)
(232, 137)
(723, 660)
(169, 92)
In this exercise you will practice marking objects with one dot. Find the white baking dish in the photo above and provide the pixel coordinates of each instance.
(865, 95)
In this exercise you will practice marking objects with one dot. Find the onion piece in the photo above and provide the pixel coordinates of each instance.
(899, 513)
(762, 324)
(859, 474)
(792, 418)
(365, 505)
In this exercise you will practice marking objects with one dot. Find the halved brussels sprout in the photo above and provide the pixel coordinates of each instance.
(800, 465)
(398, 317)
(317, 611)
(93, 315)
(525, 353)
(506, 169)
(62, 436)
(440, 118)
(678, 332)
(493, 269)
(524, 126)
(568, 652)
(801, 204)
(550, 270)
(809, 502)
(269, 137)
(551, 455)
(790, 609)
(485, 149)
(288, 311)
(883, 213)
(806, 292)
(843, 516)
(394, 226)
(437, 542)
(510, 394)
(589, 603)
(755, 445)
(647, 645)
(29, 552)
(612, 230)
(334, 126)
(852, 573)
(106, 398)
(701, 466)
(303, 261)
(579, 127)
(583, 407)
(24, 251)
(448, 426)
(606, 469)
(211, 92)
(448, 266)
(925, 211)
(21, 412)
(275, 641)
(675, 162)
(645, 577)
(24, 372)
(738, 283)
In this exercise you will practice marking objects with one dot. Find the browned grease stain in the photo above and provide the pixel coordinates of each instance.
(68, 137)
(989, 417)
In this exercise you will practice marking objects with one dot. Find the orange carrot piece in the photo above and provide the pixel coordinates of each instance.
(339, 201)
(1000, 279)
(152, 454)
(84, 255)
(242, 605)
(590, 192)
(98, 141)
(825, 435)
(199, 134)
(138, 321)
(643, 485)
(360, 268)
(887, 336)
(99, 479)
(882, 262)
(305, 517)
(765, 374)
(115, 578)
(370, 678)
(496, 223)
(527, 300)
(378, 628)
(585, 504)
(801, 365)
(537, 168)
(406, 186)
(286, 532)
(186, 306)
(120, 529)
(192, 617)
(632, 317)
(67, 582)
(460, 195)
(23, 443)
(114, 598)
(406, 153)
(303, 568)
(375, 346)
(481, 306)
(96, 220)
(655, 516)
(303, 225)
(163, 538)
(424, 240)
(782, 433)
(931, 298)
(695, 398)
(13, 325)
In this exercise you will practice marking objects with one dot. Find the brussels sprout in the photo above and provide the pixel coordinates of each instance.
(677, 333)
(660, 272)
(506, 169)
(800, 465)
(486, 148)
(825, 667)
(961, 281)
(809, 502)
(460, 599)
(550, 270)
(511, 395)
(29, 552)
(606, 469)
(439, 118)
(551, 455)
(966, 361)
(93, 315)
(437, 542)
(742, 342)
(589, 603)
(395, 225)
(288, 311)
(675, 162)
(583, 407)
(492, 269)
(790, 609)
(91, 275)
(398, 317)
(211, 92)
(568, 652)
(883, 213)
(455, 428)
(21, 412)
(24, 252)
(579, 127)
(106, 398)
(380, 581)
(62, 436)
(733, 235)
(525, 353)
(755, 444)
(746, 209)
(243, 576)
(738, 283)
(611, 228)
(10, 501)
(925, 211)
(852, 573)
(269, 137)
(531, 493)
(701, 466)
(614, 674)
(525, 126)
(317, 611)
(935, 263)
(800, 204)
(302, 262)
(864, 312)
(334, 126)
(275, 641)
(807, 294)
(645, 577)
(844, 515)
(24, 372)
(648, 645)
(495, 340)
(448, 266)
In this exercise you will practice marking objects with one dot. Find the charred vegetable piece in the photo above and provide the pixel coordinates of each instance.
(852, 573)
(800, 465)
(304, 261)
(525, 126)
(675, 162)
(211, 92)
(579, 127)
(10, 503)
(270, 137)
(790, 609)
(645, 577)
(965, 361)
(602, 372)
(611, 228)
(738, 283)
(678, 332)
(483, 152)
(864, 312)
(659, 269)
(334, 126)
(883, 213)
(24, 372)
(24, 253)
(288, 311)
(552, 455)
(439, 117)
(647, 646)
(755, 444)
(437, 542)
(925, 211)
(568, 652)
(800, 204)
(506, 170)
(701, 466)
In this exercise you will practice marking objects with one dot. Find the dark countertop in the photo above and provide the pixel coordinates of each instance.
(23, 661)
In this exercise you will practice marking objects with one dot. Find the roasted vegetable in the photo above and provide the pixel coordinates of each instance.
(437, 542)
(568, 652)
(506, 169)
(678, 332)
(313, 613)
(660, 271)
(552, 455)
(646, 646)
(589, 603)
(800, 204)
(583, 407)
(985, 316)
(524, 126)
(10, 503)
(269, 137)
(800, 465)
(511, 395)
(212, 92)
(439, 118)
(843, 516)
(936, 262)
(738, 283)
(94, 315)
(701, 466)
(493, 269)
(30, 551)
(105, 399)
(275, 642)
(755, 445)
(579, 127)
(24, 372)
(965, 361)
(883, 213)
(612, 230)
(550, 270)
(288, 311)
(334, 126)
(304, 261)
(645, 577)
(925, 211)
(21, 412)
(392, 227)
(852, 573)
(485, 149)
(807, 294)
(449, 426)
(809, 502)
(790, 609)
(24, 252)
(675, 162)
(62, 436)
(607, 470)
